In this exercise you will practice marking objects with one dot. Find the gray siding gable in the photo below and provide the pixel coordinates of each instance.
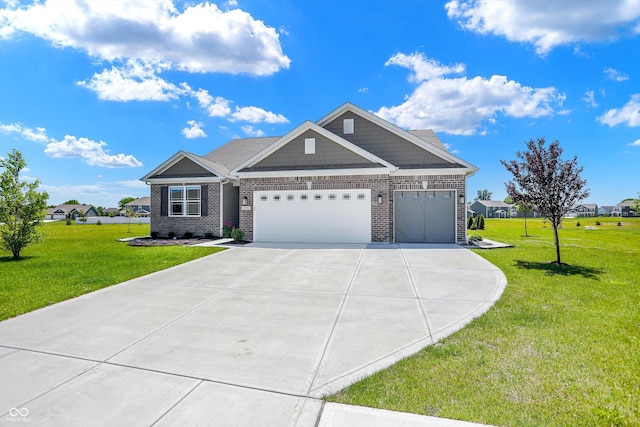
(184, 168)
(328, 155)
(387, 145)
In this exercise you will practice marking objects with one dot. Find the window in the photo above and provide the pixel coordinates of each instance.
(289, 197)
(276, 198)
(303, 197)
(264, 198)
(317, 197)
(309, 146)
(361, 196)
(347, 126)
(346, 196)
(332, 196)
(184, 200)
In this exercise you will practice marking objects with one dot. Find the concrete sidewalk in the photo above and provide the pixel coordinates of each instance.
(255, 335)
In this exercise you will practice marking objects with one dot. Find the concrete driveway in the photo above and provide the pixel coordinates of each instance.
(254, 335)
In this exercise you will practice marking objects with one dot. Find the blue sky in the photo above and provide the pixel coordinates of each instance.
(95, 94)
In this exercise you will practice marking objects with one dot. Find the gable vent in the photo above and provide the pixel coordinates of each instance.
(347, 126)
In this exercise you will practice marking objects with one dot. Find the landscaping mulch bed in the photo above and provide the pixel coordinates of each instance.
(148, 241)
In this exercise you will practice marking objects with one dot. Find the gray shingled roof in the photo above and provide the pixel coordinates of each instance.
(237, 151)
(429, 136)
(494, 203)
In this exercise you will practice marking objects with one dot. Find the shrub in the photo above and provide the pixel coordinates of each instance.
(99, 222)
(208, 235)
(68, 221)
(227, 228)
(172, 235)
(619, 224)
(578, 224)
(475, 238)
(154, 235)
(480, 222)
(237, 234)
(469, 222)
(597, 222)
(187, 235)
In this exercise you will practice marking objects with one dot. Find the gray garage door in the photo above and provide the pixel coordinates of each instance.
(424, 216)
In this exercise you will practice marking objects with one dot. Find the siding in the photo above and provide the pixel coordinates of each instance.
(387, 145)
(184, 168)
(328, 155)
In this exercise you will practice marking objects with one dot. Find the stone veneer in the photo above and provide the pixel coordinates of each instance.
(163, 225)
(381, 214)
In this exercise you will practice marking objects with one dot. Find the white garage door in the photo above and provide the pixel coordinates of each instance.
(331, 216)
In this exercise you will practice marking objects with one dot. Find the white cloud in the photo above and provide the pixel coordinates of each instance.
(613, 74)
(629, 114)
(256, 115)
(589, 98)
(104, 193)
(249, 130)
(461, 105)
(134, 81)
(36, 135)
(635, 143)
(90, 151)
(548, 24)
(199, 38)
(194, 131)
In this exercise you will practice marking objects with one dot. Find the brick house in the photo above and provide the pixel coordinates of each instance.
(349, 177)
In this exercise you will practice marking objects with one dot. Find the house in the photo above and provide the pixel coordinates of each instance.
(112, 211)
(493, 209)
(349, 177)
(605, 210)
(140, 206)
(584, 209)
(625, 208)
(70, 211)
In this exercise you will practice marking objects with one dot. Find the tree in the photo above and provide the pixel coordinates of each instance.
(542, 179)
(72, 202)
(22, 208)
(484, 195)
(636, 205)
(122, 204)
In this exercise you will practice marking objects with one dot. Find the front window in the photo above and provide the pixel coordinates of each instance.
(184, 200)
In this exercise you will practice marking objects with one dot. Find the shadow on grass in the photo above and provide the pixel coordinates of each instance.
(12, 259)
(553, 269)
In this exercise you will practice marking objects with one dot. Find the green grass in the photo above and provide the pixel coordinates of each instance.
(560, 348)
(77, 259)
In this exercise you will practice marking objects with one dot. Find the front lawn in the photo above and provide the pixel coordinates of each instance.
(561, 347)
(75, 259)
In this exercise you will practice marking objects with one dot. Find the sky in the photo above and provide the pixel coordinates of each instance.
(95, 94)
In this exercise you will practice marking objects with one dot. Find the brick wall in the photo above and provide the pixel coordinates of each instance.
(179, 225)
(379, 184)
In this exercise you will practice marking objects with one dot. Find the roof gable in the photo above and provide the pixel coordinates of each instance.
(407, 150)
(186, 165)
(332, 152)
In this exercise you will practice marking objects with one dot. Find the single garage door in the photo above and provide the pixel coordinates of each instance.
(330, 216)
(424, 216)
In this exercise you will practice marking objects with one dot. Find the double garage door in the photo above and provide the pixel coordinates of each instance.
(328, 216)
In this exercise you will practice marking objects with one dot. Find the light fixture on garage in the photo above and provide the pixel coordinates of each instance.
(461, 198)
(379, 198)
(245, 200)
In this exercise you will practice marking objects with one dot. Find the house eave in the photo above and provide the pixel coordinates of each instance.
(434, 171)
(314, 172)
(183, 180)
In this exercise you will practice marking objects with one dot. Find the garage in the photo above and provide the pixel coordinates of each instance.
(329, 216)
(424, 216)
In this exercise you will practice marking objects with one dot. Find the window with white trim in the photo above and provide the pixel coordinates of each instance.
(185, 200)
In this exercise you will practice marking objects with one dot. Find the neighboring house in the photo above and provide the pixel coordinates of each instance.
(349, 177)
(141, 206)
(585, 209)
(70, 211)
(493, 209)
(112, 211)
(625, 208)
(605, 210)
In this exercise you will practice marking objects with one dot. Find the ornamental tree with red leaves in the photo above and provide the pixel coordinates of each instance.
(542, 179)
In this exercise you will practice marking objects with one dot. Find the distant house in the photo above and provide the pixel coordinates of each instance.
(584, 209)
(493, 209)
(605, 210)
(625, 209)
(112, 211)
(141, 206)
(70, 211)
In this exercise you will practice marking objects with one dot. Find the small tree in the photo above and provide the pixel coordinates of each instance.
(22, 208)
(480, 222)
(525, 208)
(542, 179)
(130, 213)
(122, 204)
